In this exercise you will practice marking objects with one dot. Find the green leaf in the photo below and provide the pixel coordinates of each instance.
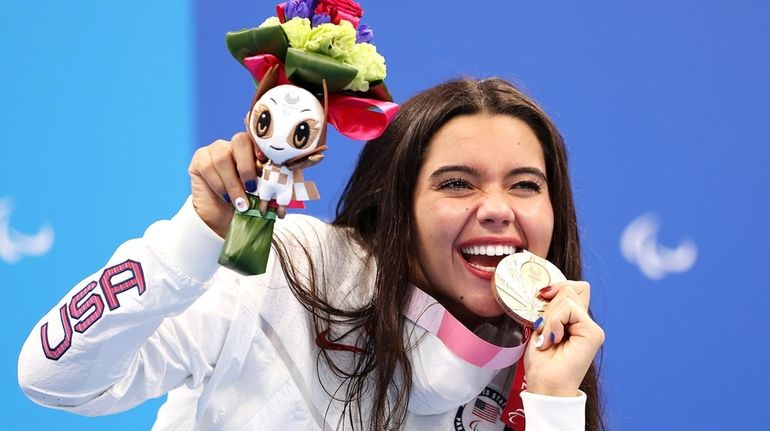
(310, 69)
(254, 41)
(378, 91)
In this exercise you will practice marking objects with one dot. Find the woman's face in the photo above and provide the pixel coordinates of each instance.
(481, 194)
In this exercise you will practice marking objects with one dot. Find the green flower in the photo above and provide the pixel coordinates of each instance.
(297, 31)
(337, 41)
(370, 65)
(332, 40)
(273, 20)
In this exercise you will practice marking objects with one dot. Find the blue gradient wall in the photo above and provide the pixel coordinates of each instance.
(663, 107)
(96, 129)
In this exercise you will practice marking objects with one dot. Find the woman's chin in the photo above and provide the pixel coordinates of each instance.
(479, 310)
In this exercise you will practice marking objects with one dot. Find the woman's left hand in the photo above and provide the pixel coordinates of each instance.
(565, 343)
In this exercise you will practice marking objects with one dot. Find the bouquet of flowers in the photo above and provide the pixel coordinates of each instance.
(314, 64)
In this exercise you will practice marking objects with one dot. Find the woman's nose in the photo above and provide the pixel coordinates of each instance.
(496, 209)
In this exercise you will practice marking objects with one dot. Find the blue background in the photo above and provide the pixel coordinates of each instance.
(664, 108)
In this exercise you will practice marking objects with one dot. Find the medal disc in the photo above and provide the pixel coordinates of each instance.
(516, 283)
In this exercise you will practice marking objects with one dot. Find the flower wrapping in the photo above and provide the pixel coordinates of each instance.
(247, 245)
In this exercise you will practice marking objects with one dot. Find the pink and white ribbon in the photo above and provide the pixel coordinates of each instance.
(427, 313)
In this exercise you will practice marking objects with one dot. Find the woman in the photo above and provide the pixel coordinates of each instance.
(465, 166)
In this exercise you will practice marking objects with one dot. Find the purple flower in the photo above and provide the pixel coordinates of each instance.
(365, 34)
(320, 18)
(298, 8)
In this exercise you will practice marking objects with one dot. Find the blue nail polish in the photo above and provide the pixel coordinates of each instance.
(537, 323)
(251, 186)
(227, 198)
(553, 338)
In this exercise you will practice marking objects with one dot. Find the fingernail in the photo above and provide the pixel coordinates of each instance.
(545, 289)
(539, 342)
(553, 338)
(227, 198)
(251, 186)
(537, 323)
(241, 205)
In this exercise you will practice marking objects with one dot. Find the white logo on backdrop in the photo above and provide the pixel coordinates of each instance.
(639, 245)
(15, 245)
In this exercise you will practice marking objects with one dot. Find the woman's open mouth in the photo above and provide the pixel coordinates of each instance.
(483, 259)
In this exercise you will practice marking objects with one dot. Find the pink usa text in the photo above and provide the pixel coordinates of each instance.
(86, 306)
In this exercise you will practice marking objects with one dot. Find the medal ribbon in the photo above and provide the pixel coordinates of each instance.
(427, 313)
(513, 413)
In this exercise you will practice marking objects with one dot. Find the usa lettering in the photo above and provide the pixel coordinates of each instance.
(87, 306)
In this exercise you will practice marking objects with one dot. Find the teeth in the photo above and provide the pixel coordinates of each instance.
(489, 250)
(483, 268)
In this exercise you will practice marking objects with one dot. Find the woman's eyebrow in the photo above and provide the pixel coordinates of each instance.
(469, 170)
(528, 170)
(463, 169)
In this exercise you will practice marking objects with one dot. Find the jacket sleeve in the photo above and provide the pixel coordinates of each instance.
(546, 413)
(128, 332)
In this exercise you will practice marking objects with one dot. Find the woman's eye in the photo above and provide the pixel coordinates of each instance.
(454, 184)
(528, 186)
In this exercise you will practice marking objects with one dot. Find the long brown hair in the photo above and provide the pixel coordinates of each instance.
(376, 209)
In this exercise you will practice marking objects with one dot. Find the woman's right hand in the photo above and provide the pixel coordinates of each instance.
(220, 173)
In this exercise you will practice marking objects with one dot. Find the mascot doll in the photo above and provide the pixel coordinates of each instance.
(314, 65)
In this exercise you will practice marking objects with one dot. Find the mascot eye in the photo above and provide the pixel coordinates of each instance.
(304, 134)
(263, 126)
(301, 135)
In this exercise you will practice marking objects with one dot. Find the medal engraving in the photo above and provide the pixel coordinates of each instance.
(516, 283)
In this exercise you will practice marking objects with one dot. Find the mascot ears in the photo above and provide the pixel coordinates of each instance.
(357, 118)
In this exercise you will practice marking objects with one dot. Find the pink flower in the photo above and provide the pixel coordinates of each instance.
(338, 10)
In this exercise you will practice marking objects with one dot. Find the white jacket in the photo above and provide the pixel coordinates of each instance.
(232, 352)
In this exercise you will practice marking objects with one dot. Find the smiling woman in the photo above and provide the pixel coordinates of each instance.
(383, 319)
(464, 166)
(481, 194)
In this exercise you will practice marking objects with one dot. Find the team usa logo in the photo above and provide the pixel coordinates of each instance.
(482, 413)
(87, 306)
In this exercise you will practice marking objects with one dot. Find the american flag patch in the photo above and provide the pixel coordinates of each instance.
(486, 411)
